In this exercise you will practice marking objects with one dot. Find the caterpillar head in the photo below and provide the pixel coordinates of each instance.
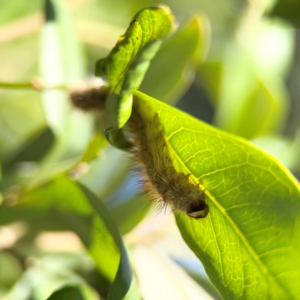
(197, 209)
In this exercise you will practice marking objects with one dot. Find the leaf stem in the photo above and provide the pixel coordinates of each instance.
(34, 84)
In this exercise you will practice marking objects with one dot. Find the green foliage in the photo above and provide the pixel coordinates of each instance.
(127, 63)
(250, 196)
(59, 173)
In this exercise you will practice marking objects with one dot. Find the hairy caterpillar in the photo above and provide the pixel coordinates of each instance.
(91, 96)
(151, 152)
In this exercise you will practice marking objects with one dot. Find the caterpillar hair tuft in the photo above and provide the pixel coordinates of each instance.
(160, 178)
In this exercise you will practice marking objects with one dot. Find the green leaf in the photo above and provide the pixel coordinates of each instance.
(102, 240)
(166, 80)
(31, 151)
(148, 25)
(127, 64)
(19, 119)
(60, 192)
(210, 75)
(65, 48)
(124, 285)
(73, 292)
(67, 293)
(249, 242)
(62, 64)
(46, 219)
(57, 205)
(97, 143)
(65, 194)
(288, 10)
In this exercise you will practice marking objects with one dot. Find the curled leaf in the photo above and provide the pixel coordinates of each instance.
(127, 63)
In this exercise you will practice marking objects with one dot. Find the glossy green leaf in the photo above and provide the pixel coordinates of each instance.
(249, 243)
(127, 64)
(166, 80)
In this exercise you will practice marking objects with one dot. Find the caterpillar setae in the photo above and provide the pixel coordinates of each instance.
(150, 151)
(89, 96)
(151, 154)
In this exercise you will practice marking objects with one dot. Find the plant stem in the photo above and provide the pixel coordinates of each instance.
(34, 84)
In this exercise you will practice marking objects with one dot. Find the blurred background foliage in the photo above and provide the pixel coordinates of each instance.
(234, 64)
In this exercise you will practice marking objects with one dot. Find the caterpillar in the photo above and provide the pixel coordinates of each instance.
(89, 96)
(150, 152)
(151, 155)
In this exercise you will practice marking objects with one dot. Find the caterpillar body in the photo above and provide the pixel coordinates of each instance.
(151, 153)
(89, 99)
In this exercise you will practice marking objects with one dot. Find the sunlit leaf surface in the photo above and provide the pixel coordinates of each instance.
(127, 63)
(249, 242)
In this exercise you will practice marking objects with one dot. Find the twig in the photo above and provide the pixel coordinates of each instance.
(34, 84)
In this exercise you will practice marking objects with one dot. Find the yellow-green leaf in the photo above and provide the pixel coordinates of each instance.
(127, 63)
(249, 242)
(148, 25)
